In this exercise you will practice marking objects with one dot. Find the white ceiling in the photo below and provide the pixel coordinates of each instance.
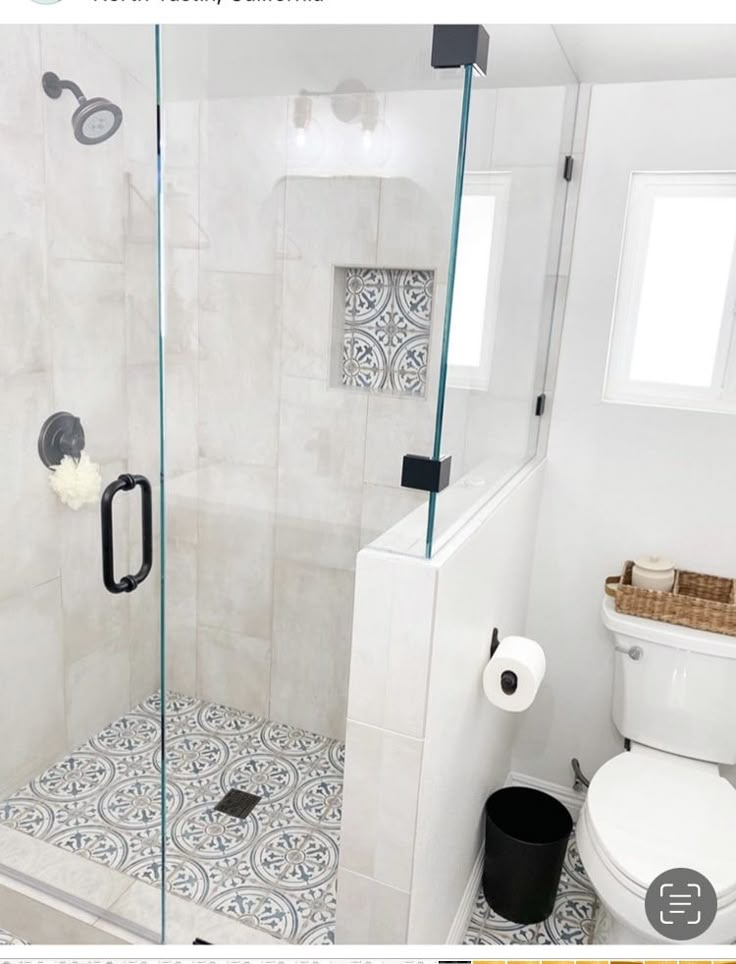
(618, 53)
(287, 59)
(236, 61)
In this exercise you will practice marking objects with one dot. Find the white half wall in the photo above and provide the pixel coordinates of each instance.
(424, 747)
(621, 480)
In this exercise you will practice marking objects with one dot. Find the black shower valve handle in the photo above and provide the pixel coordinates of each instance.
(62, 434)
(72, 441)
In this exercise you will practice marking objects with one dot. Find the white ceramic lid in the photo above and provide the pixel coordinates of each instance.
(653, 563)
(651, 811)
(668, 634)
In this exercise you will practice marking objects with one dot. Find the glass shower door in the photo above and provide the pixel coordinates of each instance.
(80, 771)
(308, 202)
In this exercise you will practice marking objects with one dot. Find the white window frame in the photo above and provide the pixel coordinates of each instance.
(496, 184)
(720, 396)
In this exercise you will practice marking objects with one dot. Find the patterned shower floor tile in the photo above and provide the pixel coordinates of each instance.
(274, 870)
(7, 938)
(571, 921)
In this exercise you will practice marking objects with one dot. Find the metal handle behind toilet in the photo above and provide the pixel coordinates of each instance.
(633, 652)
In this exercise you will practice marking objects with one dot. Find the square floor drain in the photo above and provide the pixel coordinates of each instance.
(238, 803)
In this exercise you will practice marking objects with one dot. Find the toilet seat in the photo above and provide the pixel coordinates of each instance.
(648, 811)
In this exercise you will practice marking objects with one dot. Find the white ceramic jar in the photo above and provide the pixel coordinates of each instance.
(653, 572)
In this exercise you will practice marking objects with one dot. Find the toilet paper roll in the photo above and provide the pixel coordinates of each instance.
(514, 673)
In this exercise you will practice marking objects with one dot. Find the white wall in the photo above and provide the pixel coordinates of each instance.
(424, 747)
(621, 479)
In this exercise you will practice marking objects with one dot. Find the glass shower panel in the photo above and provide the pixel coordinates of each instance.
(512, 197)
(80, 803)
(308, 187)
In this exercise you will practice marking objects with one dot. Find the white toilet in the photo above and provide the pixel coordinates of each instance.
(663, 804)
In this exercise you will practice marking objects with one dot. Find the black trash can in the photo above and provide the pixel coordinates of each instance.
(526, 838)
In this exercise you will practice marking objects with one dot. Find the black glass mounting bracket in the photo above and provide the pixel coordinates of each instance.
(425, 473)
(457, 45)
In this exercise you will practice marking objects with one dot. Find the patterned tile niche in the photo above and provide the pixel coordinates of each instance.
(386, 329)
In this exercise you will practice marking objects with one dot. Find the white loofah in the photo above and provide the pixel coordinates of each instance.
(76, 483)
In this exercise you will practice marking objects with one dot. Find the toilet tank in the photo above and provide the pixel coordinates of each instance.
(674, 688)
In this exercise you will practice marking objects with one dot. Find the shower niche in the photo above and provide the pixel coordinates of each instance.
(382, 328)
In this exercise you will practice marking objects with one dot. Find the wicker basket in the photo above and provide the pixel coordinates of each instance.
(697, 600)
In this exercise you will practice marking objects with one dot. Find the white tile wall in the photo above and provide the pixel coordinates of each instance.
(380, 804)
(370, 912)
(75, 309)
(424, 747)
(32, 708)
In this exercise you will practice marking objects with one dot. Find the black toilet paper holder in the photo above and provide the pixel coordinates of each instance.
(509, 679)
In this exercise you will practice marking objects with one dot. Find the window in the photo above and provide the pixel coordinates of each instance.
(672, 337)
(477, 276)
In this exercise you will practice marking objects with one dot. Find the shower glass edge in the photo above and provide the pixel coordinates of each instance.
(451, 272)
(161, 309)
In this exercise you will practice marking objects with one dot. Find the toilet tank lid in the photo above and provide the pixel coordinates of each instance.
(654, 812)
(667, 634)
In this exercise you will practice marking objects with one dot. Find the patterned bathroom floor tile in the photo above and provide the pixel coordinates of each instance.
(7, 938)
(274, 870)
(571, 921)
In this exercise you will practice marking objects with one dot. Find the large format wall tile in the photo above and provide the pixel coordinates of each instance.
(396, 427)
(87, 311)
(343, 234)
(368, 908)
(242, 197)
(31, 684)
(28, 512)
(22, 197)
(311, 646)
(141, 309)
(85, 186)
(384, 506)
(24, 341)
(64, 279)
(20, 72)
(234, 670)
(235, 548)
(380, 804)
(321, 429)
(182, 301)
(238, 370)
(181, 615)
(392, 628)
(320, 473)
(97, 692)
(318, 518)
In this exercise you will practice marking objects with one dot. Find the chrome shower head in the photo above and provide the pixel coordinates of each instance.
(94, 120)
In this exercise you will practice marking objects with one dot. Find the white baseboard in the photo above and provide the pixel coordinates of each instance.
(567, 796)
(459, 927)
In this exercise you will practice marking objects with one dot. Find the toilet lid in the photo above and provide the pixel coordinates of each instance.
(651, 812)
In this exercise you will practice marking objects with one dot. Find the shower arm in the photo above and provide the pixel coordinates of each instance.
(54, 86)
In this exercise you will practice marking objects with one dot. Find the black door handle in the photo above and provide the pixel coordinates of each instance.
(127, 583)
